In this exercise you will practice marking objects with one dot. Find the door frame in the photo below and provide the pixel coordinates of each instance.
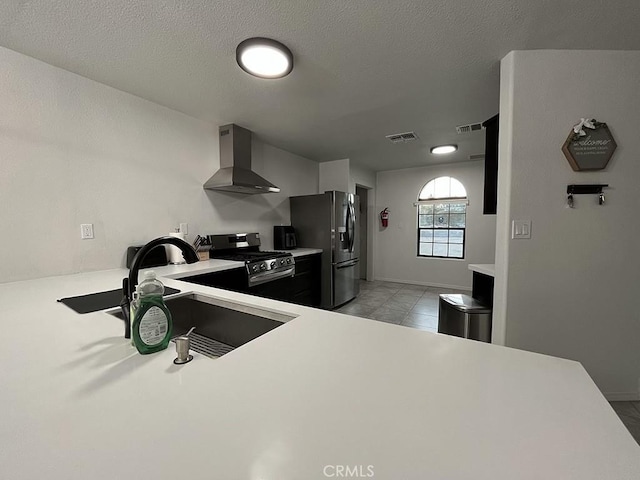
(367, 234)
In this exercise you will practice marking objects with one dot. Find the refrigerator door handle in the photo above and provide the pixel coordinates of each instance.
(347, 227)
(351, 226)
(352, 263)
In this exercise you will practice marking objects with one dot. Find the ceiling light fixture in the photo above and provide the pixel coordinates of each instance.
(442, 149)
(264, 58)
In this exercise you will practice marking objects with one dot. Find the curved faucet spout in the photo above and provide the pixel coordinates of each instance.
(129, 284)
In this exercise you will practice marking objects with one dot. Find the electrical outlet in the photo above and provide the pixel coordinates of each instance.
(86, 231)
(184, 228)
(521, 229)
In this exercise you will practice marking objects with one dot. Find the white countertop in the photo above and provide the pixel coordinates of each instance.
(486, 268)
(324, 389)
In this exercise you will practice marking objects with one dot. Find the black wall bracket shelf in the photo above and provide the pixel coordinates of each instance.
(585, 189)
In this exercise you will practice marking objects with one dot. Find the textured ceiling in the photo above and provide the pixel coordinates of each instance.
(363, 68)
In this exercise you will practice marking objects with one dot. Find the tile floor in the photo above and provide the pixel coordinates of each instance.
(416, 306)
(403, 304)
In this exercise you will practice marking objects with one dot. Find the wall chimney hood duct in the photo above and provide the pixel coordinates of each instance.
(235, 174)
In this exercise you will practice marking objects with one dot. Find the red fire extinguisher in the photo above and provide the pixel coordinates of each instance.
(384, 217)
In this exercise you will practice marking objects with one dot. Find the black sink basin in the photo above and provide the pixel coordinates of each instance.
(94, 302)
(220, 326)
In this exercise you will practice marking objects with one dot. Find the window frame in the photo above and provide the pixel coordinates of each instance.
(443, 200)
(464, 242)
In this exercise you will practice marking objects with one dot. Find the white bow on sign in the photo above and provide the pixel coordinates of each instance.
(584, 122)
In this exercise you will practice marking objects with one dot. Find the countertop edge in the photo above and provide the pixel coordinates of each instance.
(484, 268)
(215, 265)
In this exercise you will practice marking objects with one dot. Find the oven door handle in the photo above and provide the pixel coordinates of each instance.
(270, 276)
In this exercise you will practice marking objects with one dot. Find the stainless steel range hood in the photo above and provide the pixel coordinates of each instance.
(235, 174)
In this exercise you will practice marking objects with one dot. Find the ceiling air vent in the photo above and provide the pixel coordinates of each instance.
(402, 137)
(472, 127)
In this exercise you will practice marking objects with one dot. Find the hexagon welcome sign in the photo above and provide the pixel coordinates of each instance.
(589, 146)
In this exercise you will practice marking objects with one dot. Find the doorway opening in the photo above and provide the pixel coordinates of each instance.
(363, 227)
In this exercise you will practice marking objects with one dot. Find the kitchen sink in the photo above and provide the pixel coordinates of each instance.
(220, 325)
(93, 302)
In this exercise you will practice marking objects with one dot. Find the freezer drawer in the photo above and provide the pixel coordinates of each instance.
(346, 281)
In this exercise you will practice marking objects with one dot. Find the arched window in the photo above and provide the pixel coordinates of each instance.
(442, 218)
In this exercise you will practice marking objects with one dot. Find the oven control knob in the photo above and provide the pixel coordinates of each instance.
(273, 264)
(282, 261)
(288, 260)
(263, 266)
(254, 268)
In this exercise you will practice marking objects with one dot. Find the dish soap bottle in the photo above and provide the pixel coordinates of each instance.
(151, 328)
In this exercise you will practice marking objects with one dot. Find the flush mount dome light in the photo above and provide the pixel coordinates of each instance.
(264, 58)
(442, 149)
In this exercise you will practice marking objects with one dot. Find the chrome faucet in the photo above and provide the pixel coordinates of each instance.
(129, 283)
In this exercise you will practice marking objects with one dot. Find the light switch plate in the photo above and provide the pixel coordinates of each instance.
(520, 229)
(184, 228)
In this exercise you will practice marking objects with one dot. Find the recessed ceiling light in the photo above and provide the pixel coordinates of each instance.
(264, 58)
(442, 149)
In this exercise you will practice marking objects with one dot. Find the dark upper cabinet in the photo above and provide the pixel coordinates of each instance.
(491, 166)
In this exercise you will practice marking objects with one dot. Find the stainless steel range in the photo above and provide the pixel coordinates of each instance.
(261, 266)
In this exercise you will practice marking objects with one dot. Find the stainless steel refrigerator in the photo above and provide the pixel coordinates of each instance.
(328, 221)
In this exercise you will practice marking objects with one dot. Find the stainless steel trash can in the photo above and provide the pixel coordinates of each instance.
(463, 316)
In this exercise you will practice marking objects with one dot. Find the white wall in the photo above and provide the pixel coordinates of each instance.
(75, 151)
(359, 175)
(235, 212)
(571, 290)
(334, 175)
(342, 176)
(396, 251)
